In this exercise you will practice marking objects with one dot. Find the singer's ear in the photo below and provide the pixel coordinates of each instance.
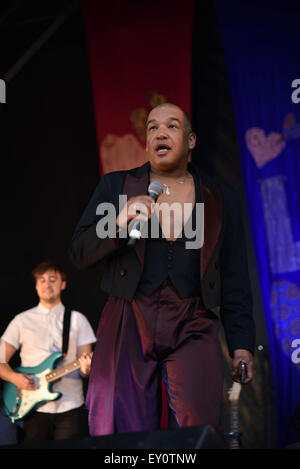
(192, 141)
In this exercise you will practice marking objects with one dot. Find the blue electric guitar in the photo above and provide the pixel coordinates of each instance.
(19, 402)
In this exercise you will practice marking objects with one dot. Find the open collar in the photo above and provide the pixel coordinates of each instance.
(137, 182)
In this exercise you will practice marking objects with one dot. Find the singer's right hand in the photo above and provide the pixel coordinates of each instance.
(139, 207)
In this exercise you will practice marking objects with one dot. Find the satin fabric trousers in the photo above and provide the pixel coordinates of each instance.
(146, 340)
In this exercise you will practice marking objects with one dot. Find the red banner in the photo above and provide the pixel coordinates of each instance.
(140, 55)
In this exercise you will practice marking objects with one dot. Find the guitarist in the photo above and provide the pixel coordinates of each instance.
(37, 332)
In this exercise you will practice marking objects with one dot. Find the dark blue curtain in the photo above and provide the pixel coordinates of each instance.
(262, 47)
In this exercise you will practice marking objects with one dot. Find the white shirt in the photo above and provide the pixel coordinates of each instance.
(2, 352)
(38, 333)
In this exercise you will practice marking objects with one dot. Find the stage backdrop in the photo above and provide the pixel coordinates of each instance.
(261, 45)
(140, 56)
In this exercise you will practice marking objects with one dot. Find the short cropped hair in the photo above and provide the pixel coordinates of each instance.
(187, 120)
(48, 264)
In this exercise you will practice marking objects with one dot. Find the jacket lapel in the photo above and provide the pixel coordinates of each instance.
(213, 220)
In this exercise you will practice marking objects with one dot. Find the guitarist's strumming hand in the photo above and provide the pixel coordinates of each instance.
(23, 381)
(85, 363)
(239, 356)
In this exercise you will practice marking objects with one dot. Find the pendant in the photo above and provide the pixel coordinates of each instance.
(167, 191)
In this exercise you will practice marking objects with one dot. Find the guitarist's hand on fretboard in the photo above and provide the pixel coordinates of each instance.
(85, 361)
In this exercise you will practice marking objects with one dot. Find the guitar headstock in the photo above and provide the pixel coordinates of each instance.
(234, 391)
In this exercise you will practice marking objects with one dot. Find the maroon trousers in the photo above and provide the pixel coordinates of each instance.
(146, 340)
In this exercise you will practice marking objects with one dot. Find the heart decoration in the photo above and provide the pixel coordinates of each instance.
(264, 148)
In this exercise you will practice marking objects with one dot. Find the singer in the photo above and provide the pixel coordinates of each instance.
(165, 300)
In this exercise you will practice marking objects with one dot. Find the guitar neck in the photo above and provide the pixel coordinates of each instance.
(234, 416)
(234, 423)
(58, 373)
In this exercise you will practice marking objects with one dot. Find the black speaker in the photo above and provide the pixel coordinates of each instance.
(200, 437)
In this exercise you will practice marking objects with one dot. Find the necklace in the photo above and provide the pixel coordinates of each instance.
(167, 186)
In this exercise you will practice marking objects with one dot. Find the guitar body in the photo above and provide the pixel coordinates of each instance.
(19, 402)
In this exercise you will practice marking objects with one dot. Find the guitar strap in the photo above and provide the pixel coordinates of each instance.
(66, 330)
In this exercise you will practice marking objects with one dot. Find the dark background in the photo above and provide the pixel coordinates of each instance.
(50, 164)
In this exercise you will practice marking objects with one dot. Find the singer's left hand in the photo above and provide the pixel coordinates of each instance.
(247, 357)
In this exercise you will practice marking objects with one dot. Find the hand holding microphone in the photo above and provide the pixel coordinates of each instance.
(143, 204)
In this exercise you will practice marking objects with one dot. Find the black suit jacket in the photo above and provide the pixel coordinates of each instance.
(223, 260)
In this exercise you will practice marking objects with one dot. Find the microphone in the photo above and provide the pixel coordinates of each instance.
(155, 189)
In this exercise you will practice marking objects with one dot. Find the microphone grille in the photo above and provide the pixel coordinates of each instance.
(156, 187)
